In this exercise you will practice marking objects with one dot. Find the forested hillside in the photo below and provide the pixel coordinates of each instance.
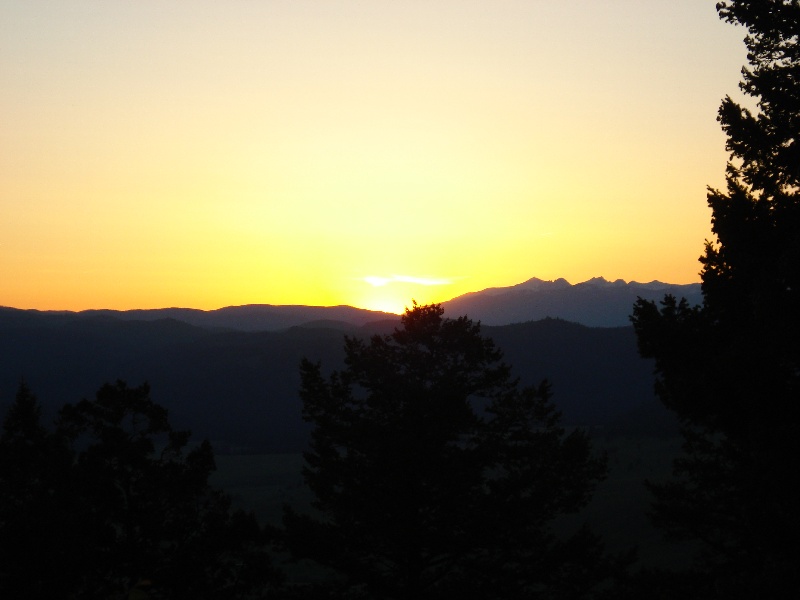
(240, 389)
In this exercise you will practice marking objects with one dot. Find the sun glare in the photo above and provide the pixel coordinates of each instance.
(397, 292)
(387, 306)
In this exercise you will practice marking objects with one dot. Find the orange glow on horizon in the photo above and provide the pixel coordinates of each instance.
(341, 153)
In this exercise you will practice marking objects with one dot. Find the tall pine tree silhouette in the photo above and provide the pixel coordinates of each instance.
(436, 476)
(730, 369)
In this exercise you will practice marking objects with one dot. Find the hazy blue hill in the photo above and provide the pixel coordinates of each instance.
(331, 324)
(596, 373)
(252, 317)
(241, 388)
(11, 318)
(260, 317)
(595, 302)
(64, 358)
(382, 327)
(187, 315)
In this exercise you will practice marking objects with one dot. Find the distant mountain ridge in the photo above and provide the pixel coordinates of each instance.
(595, 303)
(250, 317)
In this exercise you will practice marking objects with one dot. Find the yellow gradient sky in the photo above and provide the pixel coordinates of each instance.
(206, 154)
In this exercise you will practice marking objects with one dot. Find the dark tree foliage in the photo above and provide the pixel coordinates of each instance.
(36, 512)
(114, 498)
(436, 476)
(731, 368)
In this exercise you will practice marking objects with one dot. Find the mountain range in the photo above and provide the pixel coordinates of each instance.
(232, 376)
(596, 303)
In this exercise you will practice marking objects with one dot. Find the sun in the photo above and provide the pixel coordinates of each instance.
(384, 298)
(395, 293)
(387, 306)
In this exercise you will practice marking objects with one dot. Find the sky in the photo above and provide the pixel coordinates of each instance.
(202, 154)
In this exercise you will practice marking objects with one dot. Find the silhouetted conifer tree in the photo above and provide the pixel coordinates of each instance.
(37, 508)
(731, 368)
(114, 498)
(436, 476)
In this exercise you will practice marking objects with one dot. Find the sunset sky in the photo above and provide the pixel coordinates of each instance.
(206, 154)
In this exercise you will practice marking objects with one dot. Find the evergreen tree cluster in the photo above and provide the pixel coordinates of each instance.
(112, 503)
(730, 368)
(436, 476)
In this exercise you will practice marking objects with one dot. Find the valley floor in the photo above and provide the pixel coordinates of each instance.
(263, 483)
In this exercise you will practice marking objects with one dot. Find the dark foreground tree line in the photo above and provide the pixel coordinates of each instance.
(112, 502)
(435, 476)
